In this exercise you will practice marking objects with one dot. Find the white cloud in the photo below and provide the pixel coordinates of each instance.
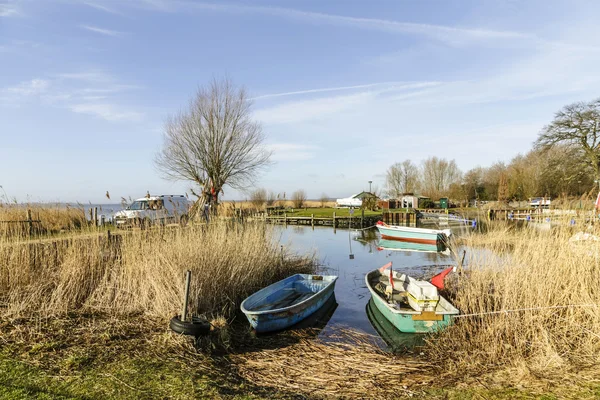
(87, 92)
(292, 151)
(28, 88)
(312, 109)
(333, 89)
(7, 10)
(102, 8)
(89, 76)
(106, 32)
(106, 111)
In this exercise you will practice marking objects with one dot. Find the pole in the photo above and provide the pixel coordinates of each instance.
(186, 297)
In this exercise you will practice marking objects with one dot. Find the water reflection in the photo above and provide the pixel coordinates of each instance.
(333, 249)
(396, 341)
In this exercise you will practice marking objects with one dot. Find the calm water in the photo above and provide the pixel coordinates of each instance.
(333, 249)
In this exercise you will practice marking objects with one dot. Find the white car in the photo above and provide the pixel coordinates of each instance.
(154, 209)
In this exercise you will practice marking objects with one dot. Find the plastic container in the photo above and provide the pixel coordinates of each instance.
(422, 295)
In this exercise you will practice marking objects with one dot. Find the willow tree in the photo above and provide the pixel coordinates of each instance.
(576, 125)
(214, 142)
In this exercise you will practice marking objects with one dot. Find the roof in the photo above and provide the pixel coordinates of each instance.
(363, 195)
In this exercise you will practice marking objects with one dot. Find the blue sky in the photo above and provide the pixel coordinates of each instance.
(343, 88)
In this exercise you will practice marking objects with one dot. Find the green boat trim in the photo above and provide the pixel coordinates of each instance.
(401, 315)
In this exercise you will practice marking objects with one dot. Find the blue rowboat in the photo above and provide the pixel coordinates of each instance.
(288, 301)
(397, 245)
(394, 305)
(413, 235)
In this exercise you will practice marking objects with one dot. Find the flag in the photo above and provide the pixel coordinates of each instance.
(438, 280)
(386, 266)
(598, 201)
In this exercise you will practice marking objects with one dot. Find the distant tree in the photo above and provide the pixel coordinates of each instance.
(271, 198)
(576, 125)
(299, 198)
(214, 142)
(324, 199)
(258, 198)
(503, 192)
(402, 178)
(437, 176)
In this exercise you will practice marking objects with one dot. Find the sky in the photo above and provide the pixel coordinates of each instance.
(343, 89)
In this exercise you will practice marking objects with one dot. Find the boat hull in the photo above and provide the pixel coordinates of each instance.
(413, 321)
(279, 319)
(421, 236)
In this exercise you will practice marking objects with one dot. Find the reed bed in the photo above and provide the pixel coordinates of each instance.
(48, 220)
(534, 306)
(142, 272)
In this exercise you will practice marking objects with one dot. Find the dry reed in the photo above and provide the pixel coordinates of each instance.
(536, 305)
(343, 364)
(14, 219)
(142, 272)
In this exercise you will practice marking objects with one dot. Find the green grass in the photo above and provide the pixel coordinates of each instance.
(328, 212)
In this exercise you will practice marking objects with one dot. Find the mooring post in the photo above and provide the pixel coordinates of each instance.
(188, 276)
(312, 220)
(362, 218)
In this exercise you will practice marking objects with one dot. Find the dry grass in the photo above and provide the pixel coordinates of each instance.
(542, 271)
(52, 219)
(142, 272)
(343, 364)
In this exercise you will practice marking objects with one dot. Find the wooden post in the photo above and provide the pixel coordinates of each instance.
(186, 295)
(312, 220)
(285, 218)
(30, 222)
(362, 218)
(334, 220)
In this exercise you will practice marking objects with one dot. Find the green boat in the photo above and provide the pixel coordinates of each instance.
(397, 342)
(394, 304)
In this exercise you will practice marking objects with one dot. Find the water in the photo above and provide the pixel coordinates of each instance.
(333, 249)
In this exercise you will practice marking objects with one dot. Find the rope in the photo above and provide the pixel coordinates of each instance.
(524, 309)
(364, 229)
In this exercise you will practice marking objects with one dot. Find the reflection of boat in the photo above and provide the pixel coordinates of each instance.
(414, 235)
(399, 297)
(288, 301)
(319, 319)
(396, 341)
(396, 245)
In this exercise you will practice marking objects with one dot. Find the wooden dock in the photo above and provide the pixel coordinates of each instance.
(354, 222)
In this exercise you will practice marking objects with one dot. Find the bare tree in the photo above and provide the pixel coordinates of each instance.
(298, 198)
(324, 199)
(214, 142)
(402, 178)
(438, 175)
(577, 125)
(258, 198)
(271, 198)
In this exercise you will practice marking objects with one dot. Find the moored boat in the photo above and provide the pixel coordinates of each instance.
(288, 301)
(411, 305)
(412, 234)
